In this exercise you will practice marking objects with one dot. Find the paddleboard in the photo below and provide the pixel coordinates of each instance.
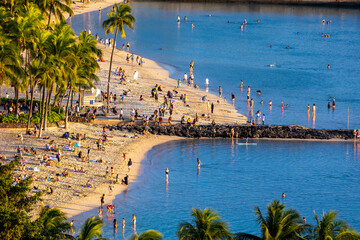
(244, 144)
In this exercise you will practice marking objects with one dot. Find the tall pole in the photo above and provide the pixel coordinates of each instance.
(348, 120)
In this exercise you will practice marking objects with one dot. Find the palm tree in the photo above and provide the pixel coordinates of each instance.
(55, 7)
(280, 223)
(84, 67)
(330, 229)
(118, 19)
(52, 224)
(92, 228)
(207, 225)
(147, 235)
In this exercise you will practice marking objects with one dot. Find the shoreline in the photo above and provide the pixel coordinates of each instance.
(151, 73)
(310, 3)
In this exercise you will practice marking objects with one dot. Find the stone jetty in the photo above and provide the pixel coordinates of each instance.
(240, 131)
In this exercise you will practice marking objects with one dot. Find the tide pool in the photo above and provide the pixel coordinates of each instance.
(297, 76)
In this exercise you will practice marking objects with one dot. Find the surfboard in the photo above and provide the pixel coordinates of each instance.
(246, 144)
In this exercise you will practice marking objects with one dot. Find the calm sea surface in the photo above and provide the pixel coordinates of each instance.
(223, 53)
(233, 179)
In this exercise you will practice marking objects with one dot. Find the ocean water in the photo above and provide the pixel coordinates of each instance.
(225, 54)
(233, 179)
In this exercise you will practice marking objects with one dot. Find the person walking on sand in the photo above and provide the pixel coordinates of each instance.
(121, 117)
(220, 91)
(129, 164)
(102, 200)
(212, 107)
(233, 98)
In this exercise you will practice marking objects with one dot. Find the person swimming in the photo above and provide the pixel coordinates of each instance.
(283, 195)
(178, 19)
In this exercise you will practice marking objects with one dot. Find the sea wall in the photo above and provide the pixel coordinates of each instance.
(328, 3)
(243, 131)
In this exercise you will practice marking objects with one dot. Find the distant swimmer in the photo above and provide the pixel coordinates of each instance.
(283, 195)
(328, 66)
(287, 47)
(323, 21)
(185, 18)
(206, 81)
(308, 108)
(178, 19)
(258, 92)
(304, 220)
(192, 25)
(258, 20)
(209, 15)
(198, 162)
(333, 103)
(241, 27)
(270, 103)
(241, 84)
(329, 103)
(228, 21)
(297, 33)
(167, 173)
(245, 22)
(270, 46)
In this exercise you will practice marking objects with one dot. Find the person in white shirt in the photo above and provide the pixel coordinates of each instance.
(185, 77)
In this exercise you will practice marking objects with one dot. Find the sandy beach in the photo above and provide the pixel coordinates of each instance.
(71, 194)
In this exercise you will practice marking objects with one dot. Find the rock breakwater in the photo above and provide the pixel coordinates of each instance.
(240, 131)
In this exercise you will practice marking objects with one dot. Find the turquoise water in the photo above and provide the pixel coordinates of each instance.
(225, 54)
(233, 179)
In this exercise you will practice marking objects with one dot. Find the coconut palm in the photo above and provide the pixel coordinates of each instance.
(147, 235)
(280, 223)
(92, 228)
(56, 8)
(328, 228)
(206, 225)
(119, 17)
(52, 224)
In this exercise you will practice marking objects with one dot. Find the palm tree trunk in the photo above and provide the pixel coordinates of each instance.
(16, 101)
(31, 106)
(42, 111)
(61, 100)
(108, 86)
(67, 108)
(49, 18)
(48, 106)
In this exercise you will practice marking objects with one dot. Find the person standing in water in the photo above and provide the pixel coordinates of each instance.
(123, 224)
(115, 224)
(167, 174)
(283, 196)
(134, 220)
(198, 162)
(233, 98)
(314, 109)
(220, 91)
(248, 93)
(178, 19)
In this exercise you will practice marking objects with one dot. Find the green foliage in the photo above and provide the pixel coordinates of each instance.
(207, 225)
(279, 223)
(147, 235)
(16, 203)
(35, 118)
(92, 228)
